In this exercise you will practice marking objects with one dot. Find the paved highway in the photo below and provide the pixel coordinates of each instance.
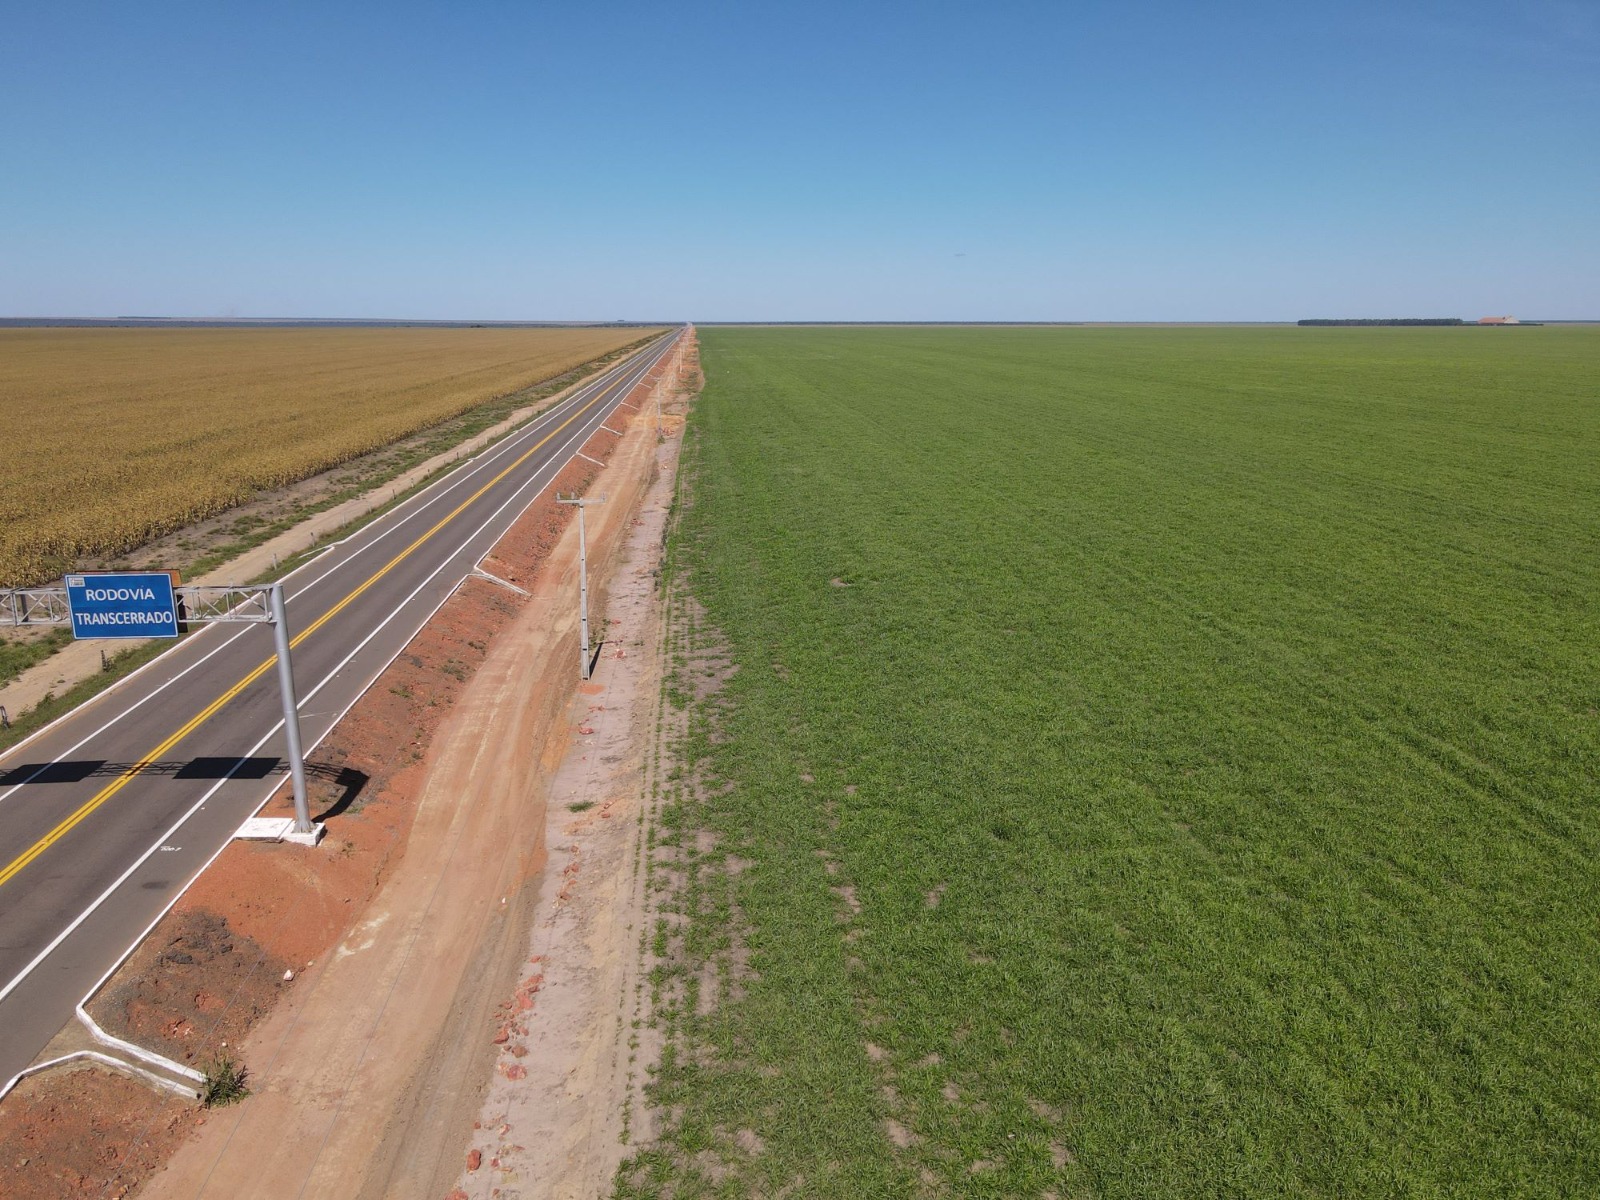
(110, 813)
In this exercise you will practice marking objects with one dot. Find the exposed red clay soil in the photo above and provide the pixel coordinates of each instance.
(194, 990)
(377, 1067)
(86, 1133)
(263, 913)
(216, 964)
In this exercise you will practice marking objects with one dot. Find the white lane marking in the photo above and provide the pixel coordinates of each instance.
(505, 448)
(166, 838)
(145, 699)
(456, 478)
(550, 469)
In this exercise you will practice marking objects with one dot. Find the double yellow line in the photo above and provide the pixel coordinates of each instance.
(121, 781)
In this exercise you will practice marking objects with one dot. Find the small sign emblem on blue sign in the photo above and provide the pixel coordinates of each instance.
(122, 605)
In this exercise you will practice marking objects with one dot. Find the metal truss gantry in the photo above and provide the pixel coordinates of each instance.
(251, 603)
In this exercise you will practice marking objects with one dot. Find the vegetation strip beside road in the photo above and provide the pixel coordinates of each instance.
(1159, 763)
(16, 657)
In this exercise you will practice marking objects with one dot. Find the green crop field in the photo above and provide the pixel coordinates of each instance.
(1161, 763)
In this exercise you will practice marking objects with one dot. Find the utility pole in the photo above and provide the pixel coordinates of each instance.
(304, 831)
(677, 355)
(583, 581)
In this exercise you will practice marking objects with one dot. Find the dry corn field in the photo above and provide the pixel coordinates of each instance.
(115, 436)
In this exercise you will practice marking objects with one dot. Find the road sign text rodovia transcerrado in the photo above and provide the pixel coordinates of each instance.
(122, 605)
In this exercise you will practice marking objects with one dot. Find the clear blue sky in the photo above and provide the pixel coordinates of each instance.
(748, 161)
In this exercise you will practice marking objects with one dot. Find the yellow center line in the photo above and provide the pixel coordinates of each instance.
(210, 710)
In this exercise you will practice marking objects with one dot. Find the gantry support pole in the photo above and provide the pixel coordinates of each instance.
(303, 828)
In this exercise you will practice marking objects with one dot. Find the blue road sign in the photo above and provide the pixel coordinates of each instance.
(122, 605)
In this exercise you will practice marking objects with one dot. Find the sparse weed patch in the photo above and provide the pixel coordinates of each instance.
(17, 656)
(226, 1082)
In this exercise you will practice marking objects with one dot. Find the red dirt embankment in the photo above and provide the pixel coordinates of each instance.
(270, 922)
(86, 1132)
(216, 965)
(576, 1039)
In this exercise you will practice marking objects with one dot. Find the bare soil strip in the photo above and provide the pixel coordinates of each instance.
(575, 1041)
(86, 1132)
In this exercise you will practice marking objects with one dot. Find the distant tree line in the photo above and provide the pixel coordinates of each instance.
(1385, 321)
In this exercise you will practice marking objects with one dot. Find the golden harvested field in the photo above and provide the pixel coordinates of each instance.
(115, 436)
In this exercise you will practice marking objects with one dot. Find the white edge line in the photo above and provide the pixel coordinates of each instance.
(115, 1064)
(613, 377)
(200, 803)
(139, 1052)
(501, 446)
(482, 458)
(494, 449)
(125, 712)
(123, 878)
(115, 687)
(466, 468)
(489, 456)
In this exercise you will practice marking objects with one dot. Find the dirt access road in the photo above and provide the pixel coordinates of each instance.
(371, 1078)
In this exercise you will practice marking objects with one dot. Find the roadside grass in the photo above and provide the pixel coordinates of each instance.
(1162, 763)
(119, 665)
(16, 657)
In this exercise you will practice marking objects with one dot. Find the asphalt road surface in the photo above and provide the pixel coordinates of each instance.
(107, 816)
